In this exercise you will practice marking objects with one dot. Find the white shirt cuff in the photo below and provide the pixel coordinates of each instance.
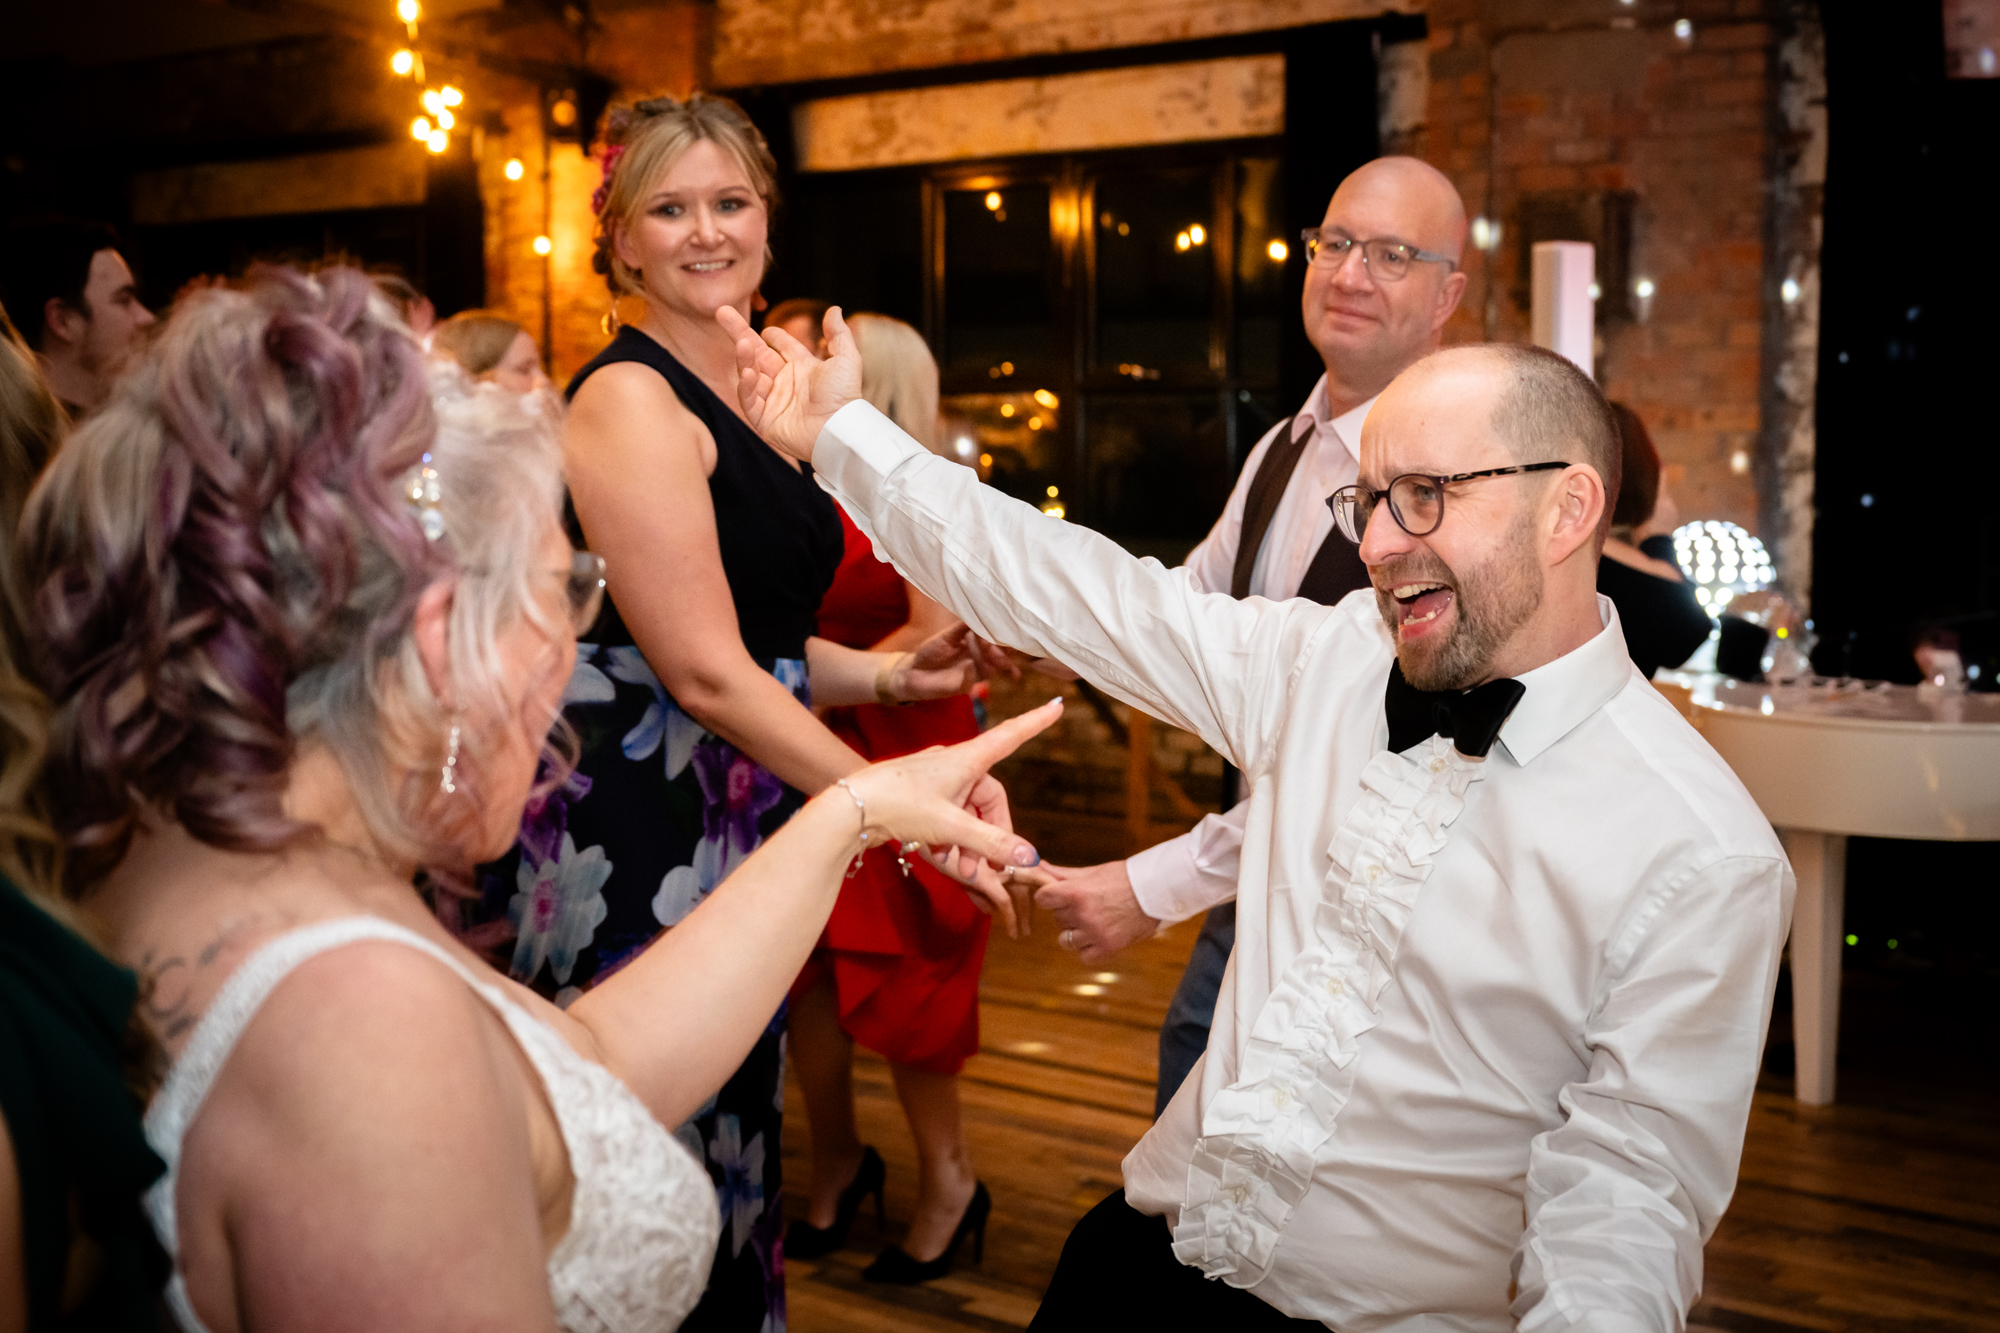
(1161, 877)
(858, 448)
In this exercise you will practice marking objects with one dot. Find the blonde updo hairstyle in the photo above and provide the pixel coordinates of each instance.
(642, 144)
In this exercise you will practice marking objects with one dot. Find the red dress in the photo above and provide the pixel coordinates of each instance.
(904, 952)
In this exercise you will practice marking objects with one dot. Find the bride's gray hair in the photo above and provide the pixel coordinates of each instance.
(499, 485)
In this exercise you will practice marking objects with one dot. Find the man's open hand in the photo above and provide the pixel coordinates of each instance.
(786, 391)
(1095, 907)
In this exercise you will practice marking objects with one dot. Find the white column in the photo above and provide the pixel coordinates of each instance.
(1820, 862)
(1564, 316)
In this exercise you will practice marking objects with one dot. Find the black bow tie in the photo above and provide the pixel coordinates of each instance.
(1471, 719)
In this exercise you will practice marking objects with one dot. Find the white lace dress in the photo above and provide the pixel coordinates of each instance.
(643, 1220)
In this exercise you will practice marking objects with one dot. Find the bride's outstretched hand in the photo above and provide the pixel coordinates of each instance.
(944, 800)
(786, 391)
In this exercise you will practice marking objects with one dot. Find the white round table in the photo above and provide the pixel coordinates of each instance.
(1826, 760)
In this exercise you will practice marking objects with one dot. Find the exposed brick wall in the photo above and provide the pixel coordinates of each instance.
(1682, 125)
(646, 52)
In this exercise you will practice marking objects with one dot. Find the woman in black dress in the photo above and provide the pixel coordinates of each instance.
(1663, 622)
(692, 694)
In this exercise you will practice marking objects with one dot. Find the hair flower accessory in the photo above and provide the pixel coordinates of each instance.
(426, 494)
(608, 159)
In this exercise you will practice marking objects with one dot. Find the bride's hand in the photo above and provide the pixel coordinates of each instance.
(786, 391)
(944, 800)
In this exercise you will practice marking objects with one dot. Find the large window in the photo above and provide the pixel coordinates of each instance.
(1107, 326)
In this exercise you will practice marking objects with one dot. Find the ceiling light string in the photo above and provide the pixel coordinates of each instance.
(441, 105)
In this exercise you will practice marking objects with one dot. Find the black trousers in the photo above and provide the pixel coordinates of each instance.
(1118, 1271)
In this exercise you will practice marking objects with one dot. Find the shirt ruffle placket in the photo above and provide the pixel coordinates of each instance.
(1262, 1134)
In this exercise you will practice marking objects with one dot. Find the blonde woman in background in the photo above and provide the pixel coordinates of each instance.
(492, 349)
(692, 693)
(897, 969)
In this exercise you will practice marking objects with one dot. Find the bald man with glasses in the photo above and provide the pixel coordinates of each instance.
(1509, 929)
(1381, 281)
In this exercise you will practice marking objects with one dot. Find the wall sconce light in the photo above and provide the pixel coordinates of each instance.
(514, 170)
(543, 245)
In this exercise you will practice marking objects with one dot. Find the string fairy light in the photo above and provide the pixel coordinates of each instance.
(433, 128)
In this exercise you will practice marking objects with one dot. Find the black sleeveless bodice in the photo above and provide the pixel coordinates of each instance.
(779, 532)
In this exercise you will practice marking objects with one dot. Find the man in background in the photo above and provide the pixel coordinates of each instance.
(1382, 280)
(69, 290)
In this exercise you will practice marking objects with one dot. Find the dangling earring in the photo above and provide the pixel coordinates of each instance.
(610, 322)
(448, 776)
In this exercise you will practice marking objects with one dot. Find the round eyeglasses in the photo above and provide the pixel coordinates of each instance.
(583, 582)
(1416, 501)
(1388, 261)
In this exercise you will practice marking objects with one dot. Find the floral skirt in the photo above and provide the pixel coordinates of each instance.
(657, 814)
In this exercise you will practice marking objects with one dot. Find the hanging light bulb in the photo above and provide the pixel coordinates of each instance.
(445, 119)
(420, 130)
(408, 10)
(403, 62)
(514, 169)
(439, 141)
(450, 96)
(543, 245)
(432, 102)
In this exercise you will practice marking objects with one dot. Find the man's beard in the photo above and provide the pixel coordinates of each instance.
(1490, 602)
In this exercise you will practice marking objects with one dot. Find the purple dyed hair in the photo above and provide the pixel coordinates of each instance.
(224, 524)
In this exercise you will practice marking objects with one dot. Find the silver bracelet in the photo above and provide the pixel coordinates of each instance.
(861, 806)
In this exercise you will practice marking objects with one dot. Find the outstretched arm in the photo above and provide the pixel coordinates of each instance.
(679, 1020)
(1208, 664)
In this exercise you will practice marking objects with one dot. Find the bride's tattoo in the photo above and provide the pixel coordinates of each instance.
(167, 985)
(164, 984)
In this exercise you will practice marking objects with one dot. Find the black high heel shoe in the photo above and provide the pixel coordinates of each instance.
(895, 1265)
(805, 1241)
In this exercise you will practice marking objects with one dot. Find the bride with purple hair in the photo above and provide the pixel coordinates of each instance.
(305, 636)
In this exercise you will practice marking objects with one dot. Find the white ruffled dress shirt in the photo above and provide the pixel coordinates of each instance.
(1185, 876)
(1484, 1053)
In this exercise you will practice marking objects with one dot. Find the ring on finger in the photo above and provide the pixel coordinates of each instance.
(1068, 940)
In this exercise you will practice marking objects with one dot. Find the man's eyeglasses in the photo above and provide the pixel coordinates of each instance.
(1389, 261)
(583, 582)
(1416, 501)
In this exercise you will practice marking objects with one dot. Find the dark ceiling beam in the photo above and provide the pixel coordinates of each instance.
(334, 22)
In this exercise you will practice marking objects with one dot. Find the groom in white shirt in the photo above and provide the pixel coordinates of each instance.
(1507, 929)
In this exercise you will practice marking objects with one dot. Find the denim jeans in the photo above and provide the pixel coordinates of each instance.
(1184, 1036)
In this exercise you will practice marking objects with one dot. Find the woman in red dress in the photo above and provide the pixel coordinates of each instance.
(898, 966)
